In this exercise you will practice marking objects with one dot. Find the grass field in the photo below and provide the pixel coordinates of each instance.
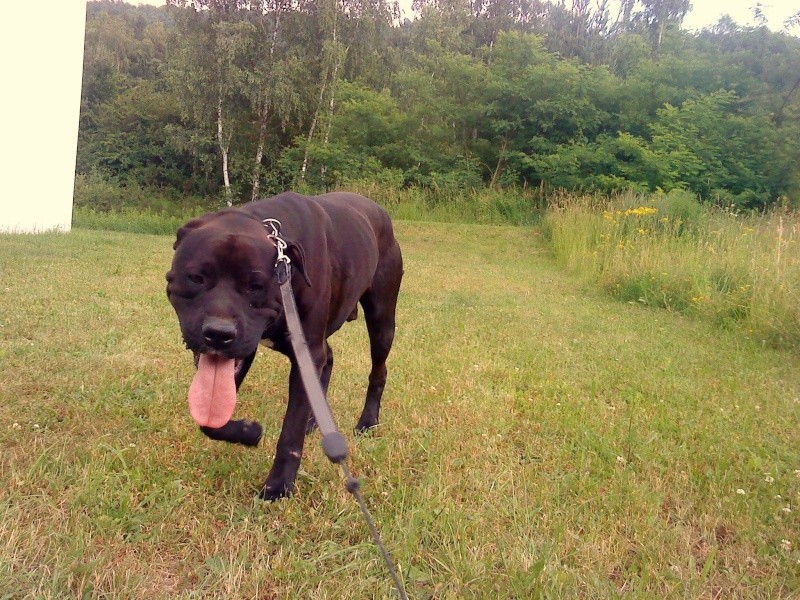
(539, 440)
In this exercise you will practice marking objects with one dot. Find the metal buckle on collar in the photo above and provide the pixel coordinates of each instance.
(282, 262)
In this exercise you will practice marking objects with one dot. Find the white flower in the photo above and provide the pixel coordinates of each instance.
(787, 509)
(741, 492)
(786, 545)
(768, 478)
(621, 460)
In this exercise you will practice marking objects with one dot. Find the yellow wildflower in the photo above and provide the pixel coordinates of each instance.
(642, 211)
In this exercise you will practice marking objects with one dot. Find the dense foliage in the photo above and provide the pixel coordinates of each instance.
(244, 98)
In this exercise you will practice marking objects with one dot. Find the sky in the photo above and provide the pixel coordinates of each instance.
(704, 12)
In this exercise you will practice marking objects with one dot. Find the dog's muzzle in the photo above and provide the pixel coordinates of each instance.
(218, 334)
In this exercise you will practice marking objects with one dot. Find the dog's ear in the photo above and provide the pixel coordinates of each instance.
(295, 252)
(190, 226)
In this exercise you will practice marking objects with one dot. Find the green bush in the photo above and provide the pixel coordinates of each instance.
(680, 205)
(129, 220)
(96, 193)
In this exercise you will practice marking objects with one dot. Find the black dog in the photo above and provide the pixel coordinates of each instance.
(223, 287)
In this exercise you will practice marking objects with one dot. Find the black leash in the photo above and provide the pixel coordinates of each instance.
(333, 442)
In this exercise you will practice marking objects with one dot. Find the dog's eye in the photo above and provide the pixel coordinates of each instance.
(257, 283)
(195, 278)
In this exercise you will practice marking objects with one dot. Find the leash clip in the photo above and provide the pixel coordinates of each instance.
(273, 227)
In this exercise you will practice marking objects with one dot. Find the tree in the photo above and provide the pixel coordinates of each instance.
(333, 54)
(209, 70)
(268, 87)
(350, 31)
(662, 14)
(245, 95)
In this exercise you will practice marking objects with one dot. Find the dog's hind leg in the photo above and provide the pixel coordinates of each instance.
(379, 304)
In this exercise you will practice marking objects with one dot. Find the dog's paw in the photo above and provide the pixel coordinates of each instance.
(250, 434)
(247, 433)
(271, 492)
(364, 427)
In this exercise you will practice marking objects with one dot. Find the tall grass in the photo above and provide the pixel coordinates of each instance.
(455, 205)
(129, 220)
(668, 251)
(101, 205)
(104, 205)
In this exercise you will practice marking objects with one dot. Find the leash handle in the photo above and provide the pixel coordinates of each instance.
(335, 447)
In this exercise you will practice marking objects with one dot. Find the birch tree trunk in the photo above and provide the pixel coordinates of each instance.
(323, 88)
(265, 110)
(332, 102)
(500, 158)
(223, 148)
(262, 136)
(313, 127)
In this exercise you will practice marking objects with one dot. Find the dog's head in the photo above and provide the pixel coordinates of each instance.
(224, 289)
(222, 283)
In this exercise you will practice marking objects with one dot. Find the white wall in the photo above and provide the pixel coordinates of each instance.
(41, 60)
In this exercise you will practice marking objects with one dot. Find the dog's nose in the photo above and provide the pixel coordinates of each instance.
(218, 333)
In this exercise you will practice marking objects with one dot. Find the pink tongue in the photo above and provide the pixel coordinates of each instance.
(212, 395)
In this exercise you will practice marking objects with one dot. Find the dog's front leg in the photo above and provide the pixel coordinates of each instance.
(245, 432)
(280, 481)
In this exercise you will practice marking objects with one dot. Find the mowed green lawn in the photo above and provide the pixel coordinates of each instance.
(537, 440)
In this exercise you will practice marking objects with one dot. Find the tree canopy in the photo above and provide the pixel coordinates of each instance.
(249, 97)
